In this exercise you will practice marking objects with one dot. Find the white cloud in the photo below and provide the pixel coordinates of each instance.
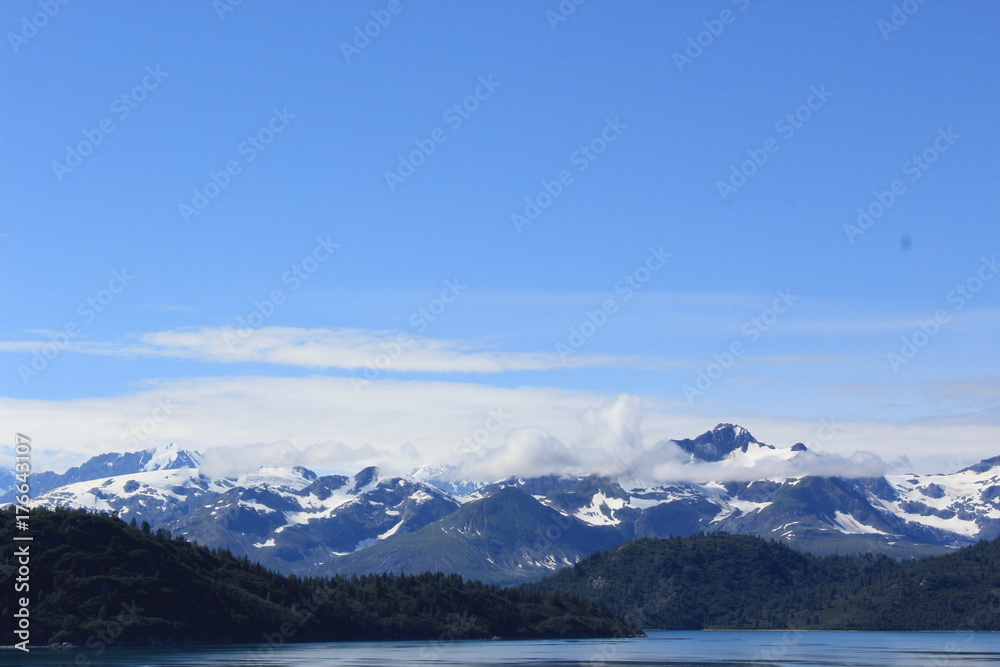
(673, 465)
(401, 425)
(524, 451)
(348, 349)
(404, 423)
(235, 460)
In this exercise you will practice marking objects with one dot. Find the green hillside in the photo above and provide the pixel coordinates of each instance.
(93, 576)
(743, 582)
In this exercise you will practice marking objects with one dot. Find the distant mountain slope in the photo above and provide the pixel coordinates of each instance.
(295, 527)
(742, 582)
(505, 538)
(7, 482)
(831, 515)
(964, 503)
(96, 580)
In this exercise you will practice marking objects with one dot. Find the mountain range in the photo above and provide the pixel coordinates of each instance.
(524, 527)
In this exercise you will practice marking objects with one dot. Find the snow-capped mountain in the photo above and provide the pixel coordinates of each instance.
(169, 457)
(441, 477)
(285, 517)
(965, 503)
(520, 528)
(297, 522)
(725, 441)
(157, 496)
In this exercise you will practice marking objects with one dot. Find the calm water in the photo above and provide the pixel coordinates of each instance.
(876, 649)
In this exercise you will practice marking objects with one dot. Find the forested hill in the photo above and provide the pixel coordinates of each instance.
(95, 580)
(743, 582)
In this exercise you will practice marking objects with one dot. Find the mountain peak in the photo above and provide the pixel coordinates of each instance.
(170, 457)
(718, 443)
(983, 466)
(735, 431)
(289, 477)
(367, 477)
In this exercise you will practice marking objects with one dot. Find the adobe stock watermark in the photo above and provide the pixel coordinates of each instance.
(607, 651)
(453, 117)
(20, 563)
(915, 168)
(825, 433)
(958, 297)
(704, 39)
(88, 310)
(475, 442)
(562, 12)
(121, 108)
(751, 332)
(294, 277)
(290, 454)
(223, 7)
(580, 159)
(899, 17)
(364, 34)
(457, 628)
(32, 24)
(777, 651)
(302, 610)
(248, 149)
(419, 320)
(106, 636)
(594, 320)
(786, 126)
(139, 433)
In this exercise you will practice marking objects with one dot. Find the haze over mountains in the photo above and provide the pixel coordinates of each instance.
(525, 527)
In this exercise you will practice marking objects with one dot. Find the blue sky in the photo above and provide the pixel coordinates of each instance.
(309, 129)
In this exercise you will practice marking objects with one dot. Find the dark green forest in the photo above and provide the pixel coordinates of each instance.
(722, 581)
(97, 581)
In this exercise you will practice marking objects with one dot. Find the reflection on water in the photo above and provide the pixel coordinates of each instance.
(678, 649)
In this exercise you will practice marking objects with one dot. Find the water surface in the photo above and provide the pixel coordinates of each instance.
(779, 649)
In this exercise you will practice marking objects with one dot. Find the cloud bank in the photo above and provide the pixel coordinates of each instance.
(488, 432)
(612, 443)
